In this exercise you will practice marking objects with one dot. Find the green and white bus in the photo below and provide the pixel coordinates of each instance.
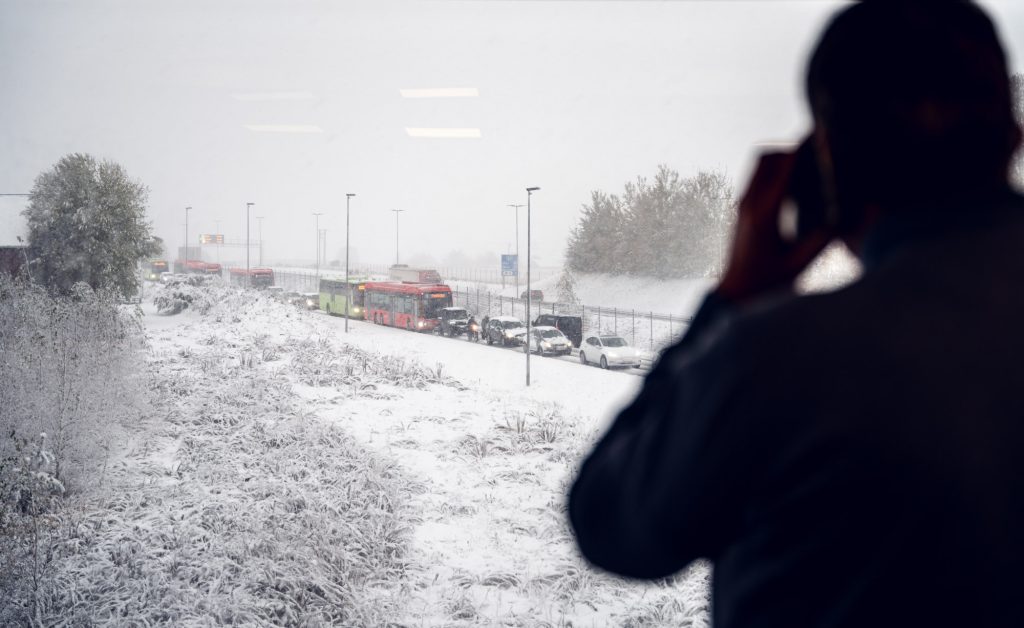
(334, 297)
(152, 269)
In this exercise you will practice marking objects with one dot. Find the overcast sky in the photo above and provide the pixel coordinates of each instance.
(290, 105)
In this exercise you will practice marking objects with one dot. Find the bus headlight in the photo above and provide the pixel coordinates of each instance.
(355, 310)
(420, 324)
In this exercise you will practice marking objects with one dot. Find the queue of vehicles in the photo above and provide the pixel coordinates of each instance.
(427, 307)
(417, 300)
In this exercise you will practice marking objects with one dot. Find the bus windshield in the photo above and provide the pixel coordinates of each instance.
(433, 303)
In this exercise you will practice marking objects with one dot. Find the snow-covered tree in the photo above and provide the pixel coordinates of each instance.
(595, 244)
(87, 223)
(669, 226)
(566, 288)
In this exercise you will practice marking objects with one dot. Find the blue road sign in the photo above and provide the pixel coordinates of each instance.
(509, 267)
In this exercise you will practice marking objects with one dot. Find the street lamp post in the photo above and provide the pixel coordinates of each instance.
(397, 211)
(516, 207)
(348, 286)
(248, 206)
(187, 209)
(529, 194)
(318, 214)
(259, 234)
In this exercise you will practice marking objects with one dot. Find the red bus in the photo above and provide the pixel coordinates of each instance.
(201, 267)
(257, 277)
(415, 307)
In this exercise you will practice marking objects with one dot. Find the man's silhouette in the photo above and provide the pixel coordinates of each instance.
(853, 458)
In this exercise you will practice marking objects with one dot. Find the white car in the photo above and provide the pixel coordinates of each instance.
(608, 352)
(549, 341)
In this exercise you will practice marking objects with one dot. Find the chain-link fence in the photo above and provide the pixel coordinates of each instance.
(297, 281)
(646, 330)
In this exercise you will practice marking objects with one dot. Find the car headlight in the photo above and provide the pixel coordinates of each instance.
(612, 354)
(309, 302)
(545, 344)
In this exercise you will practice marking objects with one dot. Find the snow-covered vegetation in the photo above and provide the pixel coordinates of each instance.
(277, 475)
(69, 388)
(181, 292)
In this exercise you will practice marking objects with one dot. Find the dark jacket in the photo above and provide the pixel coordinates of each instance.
(845, 459)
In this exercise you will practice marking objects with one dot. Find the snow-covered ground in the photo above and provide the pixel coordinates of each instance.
(484, 462)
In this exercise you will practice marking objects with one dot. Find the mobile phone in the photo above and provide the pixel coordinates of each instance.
(814, 208)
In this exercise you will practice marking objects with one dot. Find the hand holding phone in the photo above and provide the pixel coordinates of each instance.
(762, 259)
(809, 194)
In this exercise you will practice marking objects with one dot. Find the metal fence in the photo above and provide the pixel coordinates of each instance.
(297, 281)
(648, 330)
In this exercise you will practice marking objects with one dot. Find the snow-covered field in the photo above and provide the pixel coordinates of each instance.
(292, 474)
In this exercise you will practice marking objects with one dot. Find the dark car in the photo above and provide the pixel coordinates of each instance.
(506, 330)
(571, 326)
(453, 321)
(535, 295)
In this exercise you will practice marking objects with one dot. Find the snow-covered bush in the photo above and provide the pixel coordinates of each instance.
(67, 385)
(319, 363)
(234, 503)
(29, 503)
(181, 292)
(69, 368)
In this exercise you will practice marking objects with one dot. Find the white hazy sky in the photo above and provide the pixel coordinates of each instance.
(571, 96)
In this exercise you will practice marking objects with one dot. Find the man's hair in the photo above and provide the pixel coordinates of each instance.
(916, 103)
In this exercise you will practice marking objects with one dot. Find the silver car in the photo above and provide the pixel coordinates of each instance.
(549, 341)
(608, 352)
(506, 330)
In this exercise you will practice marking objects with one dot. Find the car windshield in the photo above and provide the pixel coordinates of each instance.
(511, 324)
(613, 341)
(450, 314)
(551, 333)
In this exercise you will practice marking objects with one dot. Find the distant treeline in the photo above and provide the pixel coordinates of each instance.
(668, 227)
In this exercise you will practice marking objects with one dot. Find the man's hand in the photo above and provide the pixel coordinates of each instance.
(761, 261)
